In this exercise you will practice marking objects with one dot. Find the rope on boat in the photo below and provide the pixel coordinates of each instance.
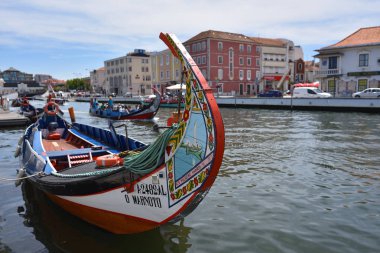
(147, 160)
(136, 162)
(86, 174)
(21, 178)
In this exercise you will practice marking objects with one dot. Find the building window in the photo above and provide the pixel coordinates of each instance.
(231, 63)
(167, 74)
(167, 59)
(220, 45)
(220, 59)
(241, 60)
(299, 66)
(248, 75)
(257, 62)
(257, 75)
(220, 74)
(176, 73)
(161, 60)
(241, 48)
(363, 60)
(249, 61)
(362, 84)
(249, 48)
(333, 62)
(241, 89)
(199, 59)
(203, 59)
(203, 45)
(130, 68)
(161, 74)
(241, 74)
(194, 47)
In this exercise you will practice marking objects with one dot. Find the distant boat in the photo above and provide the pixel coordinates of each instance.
(29, 111)
(146, 112)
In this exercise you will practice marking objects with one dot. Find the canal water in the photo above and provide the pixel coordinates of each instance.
(290, 182)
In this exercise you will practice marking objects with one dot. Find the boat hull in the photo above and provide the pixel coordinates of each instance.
(122, 116)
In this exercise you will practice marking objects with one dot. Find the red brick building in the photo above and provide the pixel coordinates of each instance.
(229, 61)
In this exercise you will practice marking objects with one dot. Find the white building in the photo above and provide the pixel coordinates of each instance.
(98, 80)
(277, 63)
(130, 74)
(352, 64)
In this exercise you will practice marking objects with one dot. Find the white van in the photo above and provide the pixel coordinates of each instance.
(309, 92)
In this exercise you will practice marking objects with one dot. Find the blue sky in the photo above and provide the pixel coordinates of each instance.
(68, 38)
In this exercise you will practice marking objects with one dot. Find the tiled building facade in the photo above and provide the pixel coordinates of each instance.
(352, 64)
(227, 60)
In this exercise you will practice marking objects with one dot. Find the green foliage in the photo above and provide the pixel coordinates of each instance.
(77, 84)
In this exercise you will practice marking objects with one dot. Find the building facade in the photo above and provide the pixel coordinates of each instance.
(39, 78)
(311, 68)
(230, 62)
(352, 64)
(129, 75)
(14, 76)
(98, 80)
(277, 63)
(299, 71)
(166, 70)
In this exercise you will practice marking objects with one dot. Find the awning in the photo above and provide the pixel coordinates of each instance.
(315, 84)
(275, 78)
(176, 87)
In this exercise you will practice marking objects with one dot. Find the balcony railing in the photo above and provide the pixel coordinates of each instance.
(328, 72)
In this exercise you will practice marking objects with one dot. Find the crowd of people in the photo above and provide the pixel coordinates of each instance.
(118, 107)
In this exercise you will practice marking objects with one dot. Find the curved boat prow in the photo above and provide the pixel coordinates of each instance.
(199, 137)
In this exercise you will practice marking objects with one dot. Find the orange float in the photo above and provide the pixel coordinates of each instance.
(51, 112)
(109, 161)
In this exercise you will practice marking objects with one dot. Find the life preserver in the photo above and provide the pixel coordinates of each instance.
(51, 112)
(109, 161)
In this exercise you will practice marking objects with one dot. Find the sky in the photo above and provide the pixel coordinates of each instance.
(69, 38)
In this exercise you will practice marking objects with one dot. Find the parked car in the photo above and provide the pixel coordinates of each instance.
(310, 92)
(367, 93)
(271, 93)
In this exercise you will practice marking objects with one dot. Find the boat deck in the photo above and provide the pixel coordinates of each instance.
(57, 145)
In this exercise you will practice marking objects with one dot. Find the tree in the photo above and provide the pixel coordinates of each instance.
(76, 84)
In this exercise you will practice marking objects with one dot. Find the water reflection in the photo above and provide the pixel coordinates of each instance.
(59, 231)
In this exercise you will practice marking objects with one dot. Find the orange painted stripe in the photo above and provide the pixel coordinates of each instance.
(110, 221)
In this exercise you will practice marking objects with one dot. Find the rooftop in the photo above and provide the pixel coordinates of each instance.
(269, 42)
(362, 37)
(220, 35)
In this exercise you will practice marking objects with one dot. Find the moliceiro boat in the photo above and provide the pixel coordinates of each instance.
(145, 112)
(121, 184)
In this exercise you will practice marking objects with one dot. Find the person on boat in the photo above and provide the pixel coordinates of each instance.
(110, 103)
(95, 103)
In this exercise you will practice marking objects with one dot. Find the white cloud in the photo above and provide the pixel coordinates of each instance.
(121, 23)
(119, 26)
